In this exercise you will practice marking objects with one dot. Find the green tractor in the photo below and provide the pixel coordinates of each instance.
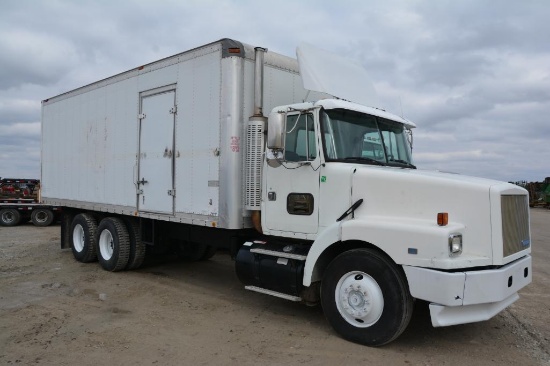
(545, 192)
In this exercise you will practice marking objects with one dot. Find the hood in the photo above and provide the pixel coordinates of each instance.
(417, 196)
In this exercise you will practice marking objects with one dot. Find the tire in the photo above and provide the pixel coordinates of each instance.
(10, 217)
(42, 217)
(192, 252)
(366, 298)
(83, 238)
(113, 244)
(137, 247)
(209, 253)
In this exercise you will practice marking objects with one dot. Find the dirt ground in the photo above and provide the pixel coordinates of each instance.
(54, 310)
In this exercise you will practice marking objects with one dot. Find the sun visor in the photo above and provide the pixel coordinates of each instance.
(329, 73)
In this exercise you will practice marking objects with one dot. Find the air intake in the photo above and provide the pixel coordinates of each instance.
(253, 163)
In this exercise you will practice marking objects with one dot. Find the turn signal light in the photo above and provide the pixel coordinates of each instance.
(442, 219)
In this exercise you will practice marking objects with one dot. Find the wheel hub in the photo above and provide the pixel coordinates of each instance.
(360, 299)
(357, 301)
(7, 217)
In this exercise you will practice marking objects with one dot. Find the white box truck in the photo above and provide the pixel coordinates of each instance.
(318, 203)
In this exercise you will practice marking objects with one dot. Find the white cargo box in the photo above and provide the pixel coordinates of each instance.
(165, 140)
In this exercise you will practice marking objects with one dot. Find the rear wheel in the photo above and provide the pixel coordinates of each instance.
(209, 253)
(190, 251)
(137, 247)
(113, 244)
(83, 237)
(42, 217)
(9, 217)
(366, 298)
(193, 252)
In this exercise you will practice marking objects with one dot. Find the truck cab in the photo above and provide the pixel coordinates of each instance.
(369, 233)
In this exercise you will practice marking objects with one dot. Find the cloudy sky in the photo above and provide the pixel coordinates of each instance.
(473, 75)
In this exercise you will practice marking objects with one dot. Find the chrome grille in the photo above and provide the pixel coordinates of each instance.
(515, 224)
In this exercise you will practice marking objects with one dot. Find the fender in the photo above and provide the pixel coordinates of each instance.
(330, 235)
(412, 242)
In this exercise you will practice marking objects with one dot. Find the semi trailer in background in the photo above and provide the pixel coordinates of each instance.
(293, 168)
(20, 202)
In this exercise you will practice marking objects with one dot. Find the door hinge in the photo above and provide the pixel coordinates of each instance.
(142, 116)
(172, 192)
(174, 109)
(140, 191)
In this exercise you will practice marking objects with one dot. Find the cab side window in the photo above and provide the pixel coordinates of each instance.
(300, 138)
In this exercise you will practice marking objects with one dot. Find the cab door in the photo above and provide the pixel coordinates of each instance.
(291, 191)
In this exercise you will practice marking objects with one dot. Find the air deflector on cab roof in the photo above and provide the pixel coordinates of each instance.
(329, 73)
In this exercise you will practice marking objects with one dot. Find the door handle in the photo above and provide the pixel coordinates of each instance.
(142, 181)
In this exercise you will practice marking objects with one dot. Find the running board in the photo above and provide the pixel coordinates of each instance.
(273, 293)
(274, 253)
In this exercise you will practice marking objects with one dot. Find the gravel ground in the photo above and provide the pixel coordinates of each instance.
(54, 310)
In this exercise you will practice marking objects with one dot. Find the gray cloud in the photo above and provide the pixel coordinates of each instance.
(474, 75)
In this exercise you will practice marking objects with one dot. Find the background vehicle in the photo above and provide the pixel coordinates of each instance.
(19, 202)
(178, 152)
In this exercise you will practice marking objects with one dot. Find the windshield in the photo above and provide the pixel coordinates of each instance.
(350, 135)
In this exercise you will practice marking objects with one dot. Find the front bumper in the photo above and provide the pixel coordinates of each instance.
(467, 297)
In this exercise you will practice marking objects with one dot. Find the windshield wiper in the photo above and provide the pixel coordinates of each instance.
(403, 162)
(361, 158)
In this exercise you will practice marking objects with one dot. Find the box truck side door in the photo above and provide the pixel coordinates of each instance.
(156, 151)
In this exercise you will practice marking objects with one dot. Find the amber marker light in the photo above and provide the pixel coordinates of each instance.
(442, 218)
(234, 50)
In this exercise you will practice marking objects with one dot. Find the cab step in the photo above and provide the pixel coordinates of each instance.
(273, 293)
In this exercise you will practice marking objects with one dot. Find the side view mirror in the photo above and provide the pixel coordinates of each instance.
(276, 130)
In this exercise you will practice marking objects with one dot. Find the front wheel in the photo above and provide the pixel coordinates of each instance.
(366, 298)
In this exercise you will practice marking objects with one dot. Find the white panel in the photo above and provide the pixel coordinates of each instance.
(282, 87)
(435, 286)
(198, 135)
(498, 284)
(443, 316)
(90, 144)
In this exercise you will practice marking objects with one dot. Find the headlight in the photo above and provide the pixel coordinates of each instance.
(455, 244)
